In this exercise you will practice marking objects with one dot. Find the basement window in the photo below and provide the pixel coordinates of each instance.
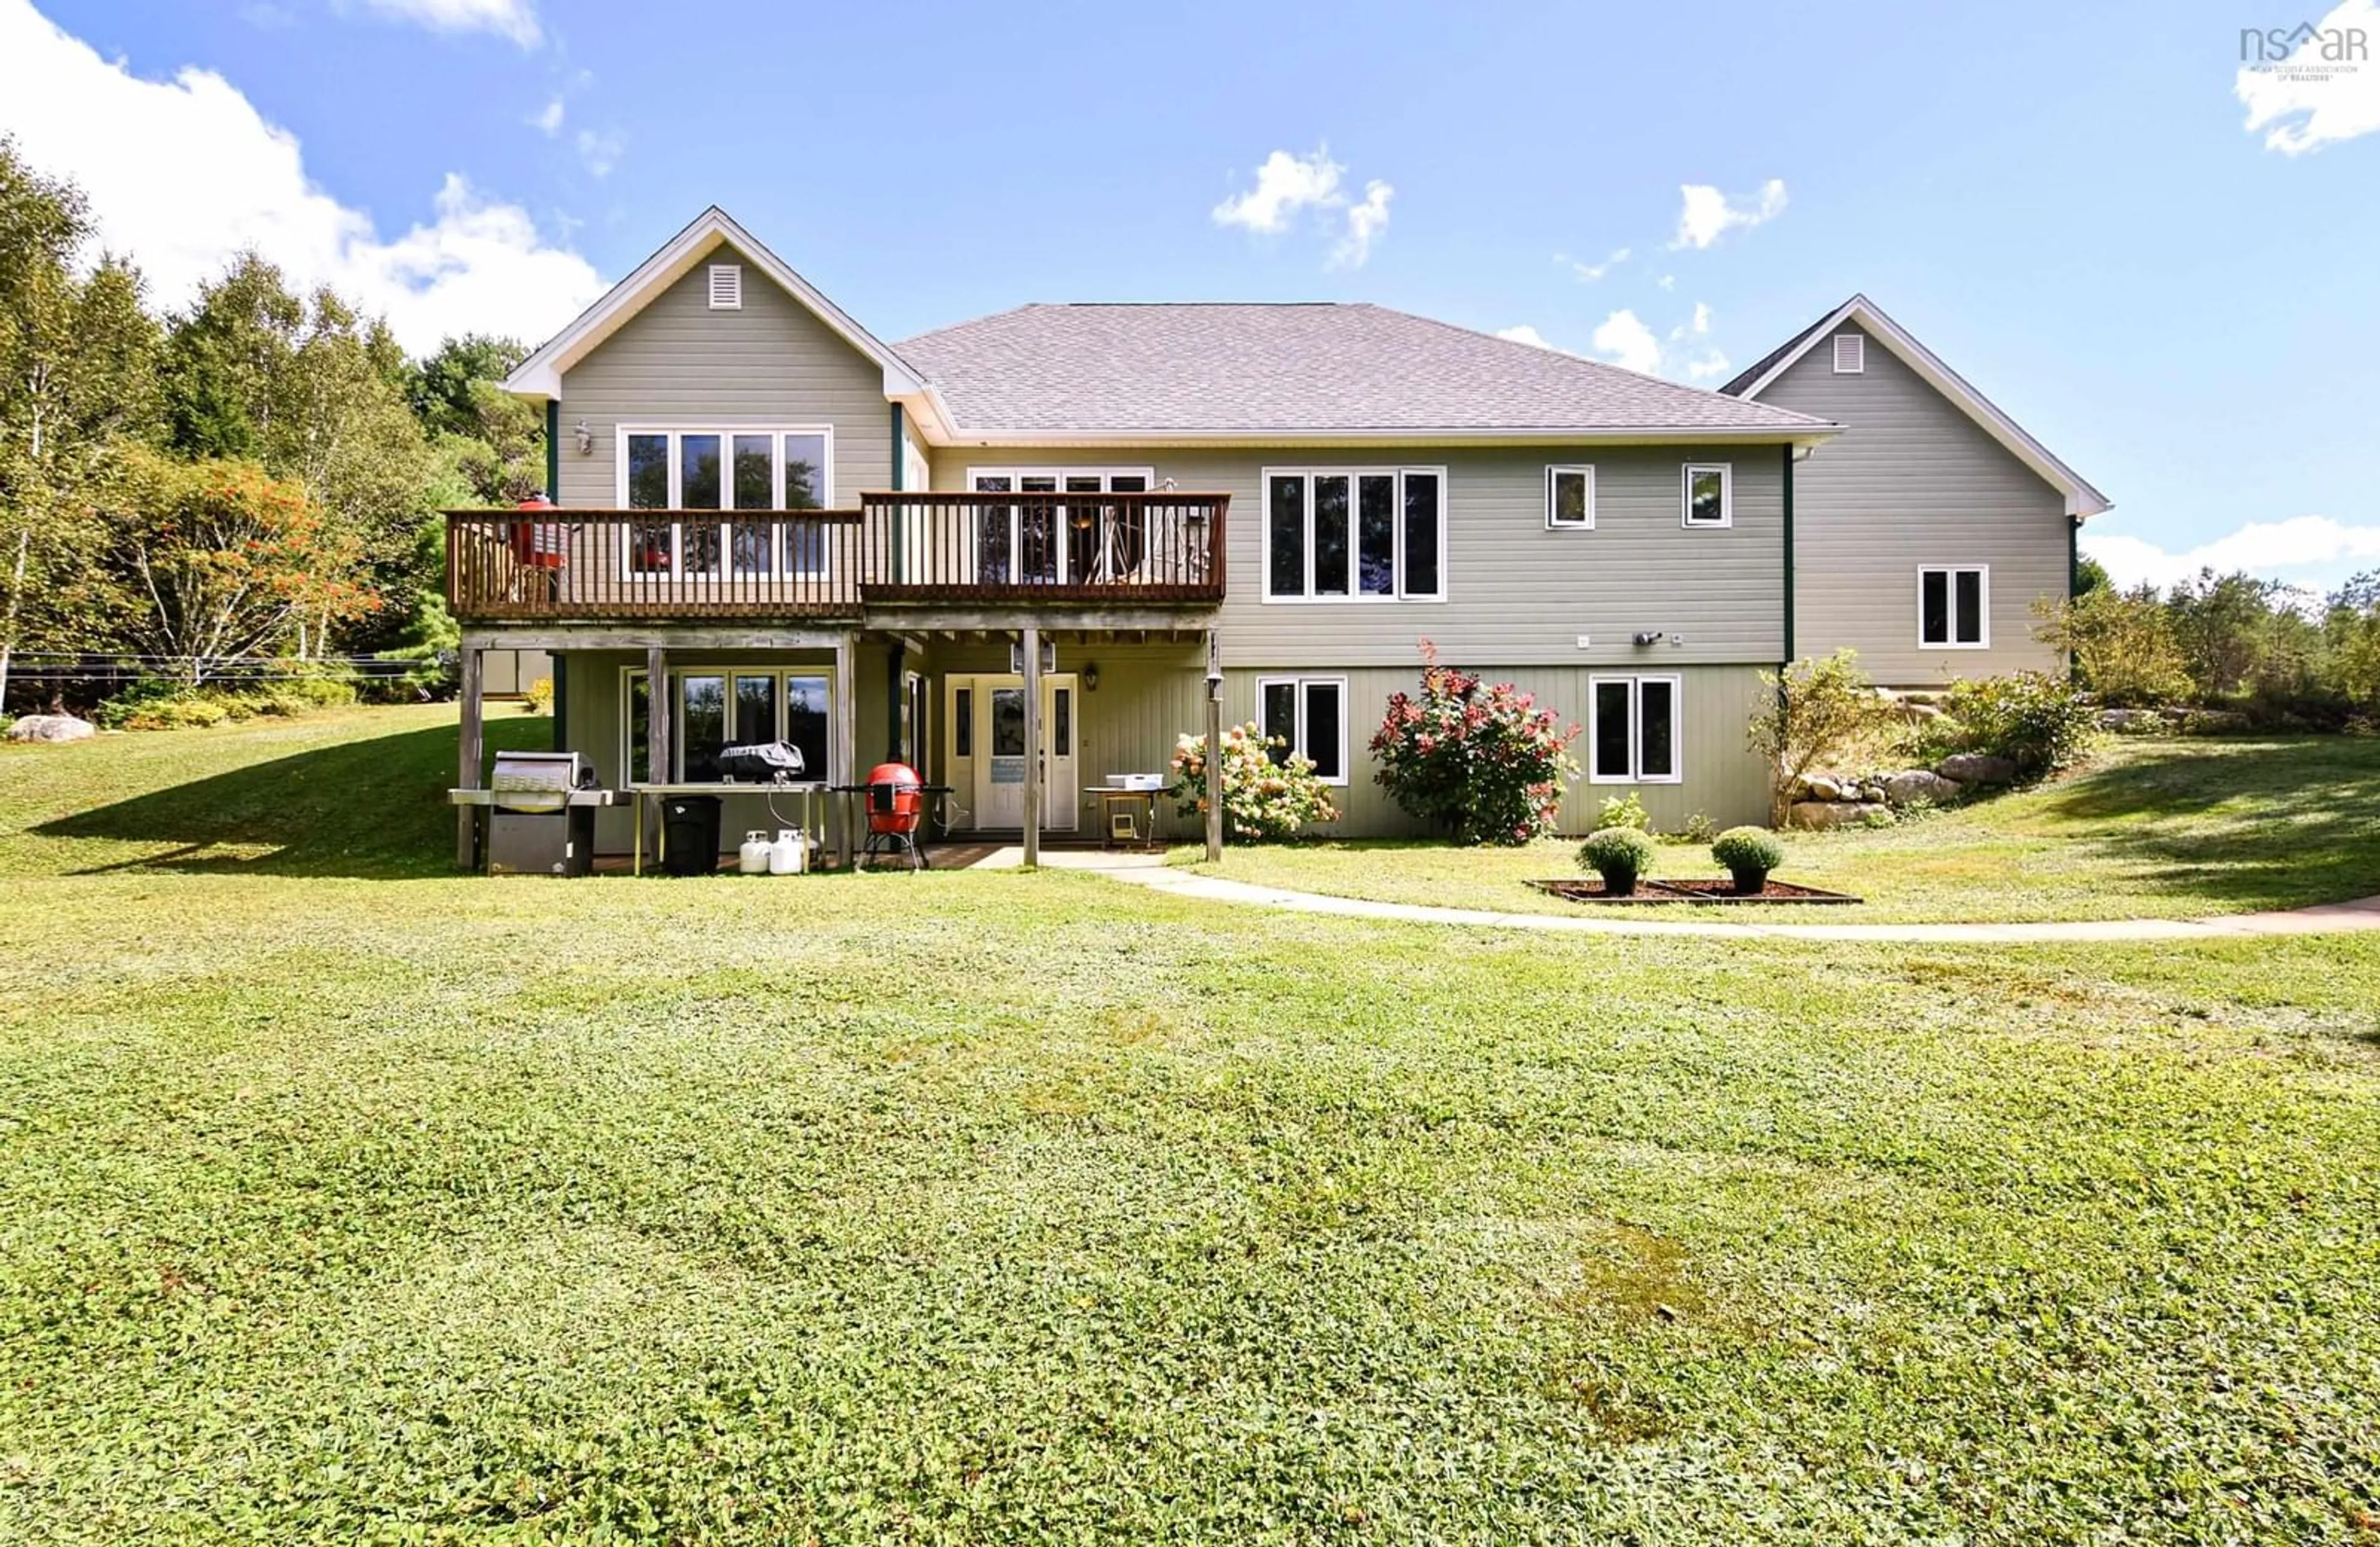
(1954, 607)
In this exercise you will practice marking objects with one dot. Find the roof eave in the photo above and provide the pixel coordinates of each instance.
(1810, 434)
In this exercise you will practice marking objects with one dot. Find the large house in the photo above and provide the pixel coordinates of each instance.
(771, 524)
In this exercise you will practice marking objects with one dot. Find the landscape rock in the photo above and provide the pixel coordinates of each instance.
(1822, 786)
(1977, 768)
(1872, 794)
(2131, 721)
(1835, 814)
(1919, 784)
(2217, 722)
(51, 727)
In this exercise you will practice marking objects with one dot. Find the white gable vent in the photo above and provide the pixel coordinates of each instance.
(727, 290)
(1851, 349)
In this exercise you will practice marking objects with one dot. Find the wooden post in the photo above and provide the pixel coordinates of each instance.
(657, 739)
(469, 757)
(1214, 751)
(1032, 748)
(844, 758)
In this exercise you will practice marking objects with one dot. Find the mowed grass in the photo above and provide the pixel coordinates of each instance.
(2161, 829)
(341, 1199)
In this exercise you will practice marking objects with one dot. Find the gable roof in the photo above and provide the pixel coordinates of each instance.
(2082, 501)
(1225, 371)
(540, 374)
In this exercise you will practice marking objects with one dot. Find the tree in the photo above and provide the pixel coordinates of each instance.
(2223, 625)
(216, 561)
(2351, 627)
(1812, 710)
(2123, 643)
(440, 389)
(78, 371)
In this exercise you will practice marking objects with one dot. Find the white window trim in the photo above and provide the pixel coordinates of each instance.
(1297, 742)
(1555, 471)
(1858, 354)
(1635, 774)
(1264, 534)
(1725, 472)
(630, 677)
(733, 274)
(1106, 476)
(1983, 599)
(781, 569)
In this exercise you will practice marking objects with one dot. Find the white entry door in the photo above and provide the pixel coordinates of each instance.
(988, 721)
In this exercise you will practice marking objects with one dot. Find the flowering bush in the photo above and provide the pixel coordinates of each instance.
(1262, 798)
(1483, 764)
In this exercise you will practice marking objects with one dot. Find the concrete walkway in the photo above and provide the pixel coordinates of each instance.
(1151, 871)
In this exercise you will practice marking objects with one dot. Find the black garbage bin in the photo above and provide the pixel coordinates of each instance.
(690, 834)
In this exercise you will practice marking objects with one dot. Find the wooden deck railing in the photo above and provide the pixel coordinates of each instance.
(537, 565)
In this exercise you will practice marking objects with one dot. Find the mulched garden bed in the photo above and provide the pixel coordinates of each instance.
(1716, 890)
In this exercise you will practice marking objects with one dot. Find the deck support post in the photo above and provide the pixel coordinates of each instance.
(844, 758)
(657, 739)
(1032, 636)
(470, 754)
(1214, 751)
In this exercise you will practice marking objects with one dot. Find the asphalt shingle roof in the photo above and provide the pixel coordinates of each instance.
(1310, 367)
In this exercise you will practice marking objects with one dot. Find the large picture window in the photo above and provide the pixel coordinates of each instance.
(733, 471)
(1055, 535)
(1354, 534)
(1954, 607)
(1308, 715)
(728, 706)
(1632, 730)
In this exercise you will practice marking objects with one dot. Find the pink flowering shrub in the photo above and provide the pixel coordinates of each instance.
(1262, 798)
(1485, 765)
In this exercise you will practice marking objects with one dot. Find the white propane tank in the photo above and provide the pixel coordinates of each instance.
(753, 858)
(785, 855)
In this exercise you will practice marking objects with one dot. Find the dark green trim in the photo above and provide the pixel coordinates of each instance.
(2073, 557)
(1789, 553)
(553, 455)
(900, 465)
(561, 702)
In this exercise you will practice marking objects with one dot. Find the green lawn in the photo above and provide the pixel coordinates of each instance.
(2155, 829)
(342, 1199)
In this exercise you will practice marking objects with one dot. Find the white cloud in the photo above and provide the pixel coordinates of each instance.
(1708, 214)
(1699, 323)
(1366, 220)
(2327, 90)
(1590, 273)
(1667, 282)
(184, 174)
(1623, 339)
(1288, 185)
(548, 118)
(2305, 549)
(600, 151)
(1524, 334)
(516, 19)
(1704, 366)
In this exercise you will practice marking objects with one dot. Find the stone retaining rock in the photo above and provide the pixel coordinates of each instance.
(1921, 783)
(51, 727)
(1834, 813)
(1977, 768)
(1822, 786)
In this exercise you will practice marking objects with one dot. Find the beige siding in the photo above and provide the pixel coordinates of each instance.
(1515, 591)
(1913, 483)
(770, 362)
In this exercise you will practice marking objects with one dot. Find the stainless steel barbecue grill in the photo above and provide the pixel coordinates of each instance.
(541, 817)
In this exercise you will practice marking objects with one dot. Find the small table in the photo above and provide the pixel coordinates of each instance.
(1112, 800)
(637, 794)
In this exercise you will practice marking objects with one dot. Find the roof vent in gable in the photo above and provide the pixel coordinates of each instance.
(1850, 352)
(726, 286)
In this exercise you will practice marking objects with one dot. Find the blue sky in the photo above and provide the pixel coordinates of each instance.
(2066, 202)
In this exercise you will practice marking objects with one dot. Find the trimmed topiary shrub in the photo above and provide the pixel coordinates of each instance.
(1619, 855)
(1749, 854)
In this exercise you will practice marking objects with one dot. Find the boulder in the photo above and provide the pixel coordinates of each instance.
(1919, 784)
(2131, 721)
(50, 727)
(1822, 786)
(1834, 813)
(1977, 768)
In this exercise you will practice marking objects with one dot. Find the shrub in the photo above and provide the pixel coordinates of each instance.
(1264, 797)
(162, 704)
(2040, 724)
(1622, 811)
(1698, 829)
(1482, 764)
(1749, 854)
(1811, 712)
(2122, 642)
(1619, 855)
(538, 698)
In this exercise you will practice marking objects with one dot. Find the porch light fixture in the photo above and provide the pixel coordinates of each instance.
(1090, 676)
(586, 437)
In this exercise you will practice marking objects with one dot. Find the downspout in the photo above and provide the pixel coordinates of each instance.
(896, 697)
(560, 701)
(1789, 553)
(553, 453)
